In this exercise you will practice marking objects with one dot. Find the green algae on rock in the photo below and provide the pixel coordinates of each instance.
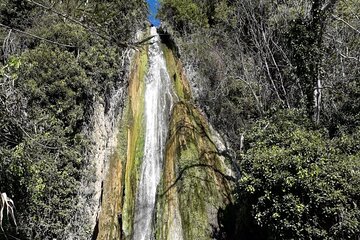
(194, 182)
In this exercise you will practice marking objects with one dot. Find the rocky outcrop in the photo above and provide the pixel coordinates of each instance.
(196, 179)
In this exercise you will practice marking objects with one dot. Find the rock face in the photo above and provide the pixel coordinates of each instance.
(194, 185)
(119, 187)
(166, 178)
(99, 192)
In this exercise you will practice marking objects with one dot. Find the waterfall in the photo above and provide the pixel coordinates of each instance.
(158, 103)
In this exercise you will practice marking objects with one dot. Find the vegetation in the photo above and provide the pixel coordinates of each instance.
(280, 80)
(57, 59)
(299, 183)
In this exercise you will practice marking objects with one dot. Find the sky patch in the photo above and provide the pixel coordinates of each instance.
(153, 7)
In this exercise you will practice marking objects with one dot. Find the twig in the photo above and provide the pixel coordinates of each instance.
(35, 36)
(51, 9)
(8, 205)
(346, 23)
(6, 45)
(182, 172)
(89, 28)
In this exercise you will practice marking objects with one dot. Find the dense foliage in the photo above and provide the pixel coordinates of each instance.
(57, 59)
(280, 80)
(301, 184)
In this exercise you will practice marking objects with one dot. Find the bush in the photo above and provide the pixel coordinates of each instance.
(299, 184)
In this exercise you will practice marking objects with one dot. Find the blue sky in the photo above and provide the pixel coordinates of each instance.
(153, 11)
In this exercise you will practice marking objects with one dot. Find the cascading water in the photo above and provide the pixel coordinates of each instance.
(158, 103)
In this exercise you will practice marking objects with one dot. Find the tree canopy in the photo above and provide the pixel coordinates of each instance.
(57, 59)
(279, 79)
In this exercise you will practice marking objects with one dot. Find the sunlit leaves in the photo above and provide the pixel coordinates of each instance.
(302, 185)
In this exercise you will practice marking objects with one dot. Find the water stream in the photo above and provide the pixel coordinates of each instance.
(158, 103)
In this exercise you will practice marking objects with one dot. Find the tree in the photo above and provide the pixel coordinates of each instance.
(298, 184)
(62, 57)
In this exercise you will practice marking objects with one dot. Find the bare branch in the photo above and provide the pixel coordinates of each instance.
(346, 23)
(186, 168)
(8, 205)
(91, 29)
(51, 9)
(35, 36)
(7, 45)
(348, 57)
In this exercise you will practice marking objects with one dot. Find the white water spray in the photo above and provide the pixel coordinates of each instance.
(158, 104)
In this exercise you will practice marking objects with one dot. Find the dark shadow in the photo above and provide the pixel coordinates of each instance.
(96, 231)
(168, 40)
(235, 222)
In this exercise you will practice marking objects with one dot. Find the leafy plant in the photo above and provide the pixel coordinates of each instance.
(298, 183)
